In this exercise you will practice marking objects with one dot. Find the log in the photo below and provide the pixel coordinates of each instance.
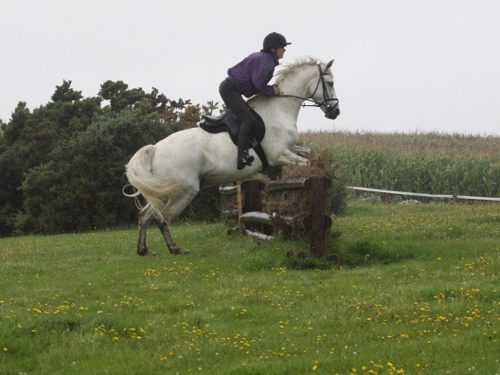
(289, 184)
(228, 190)
(259, 235)
(264, 218)
(256, 217)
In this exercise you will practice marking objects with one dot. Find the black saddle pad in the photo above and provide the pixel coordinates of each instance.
(228, 122)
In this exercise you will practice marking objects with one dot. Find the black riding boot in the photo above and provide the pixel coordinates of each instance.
(244, 158)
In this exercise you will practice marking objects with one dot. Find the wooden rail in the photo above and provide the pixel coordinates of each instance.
(423, 195)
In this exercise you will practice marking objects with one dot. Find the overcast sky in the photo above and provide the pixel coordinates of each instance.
(400, 66)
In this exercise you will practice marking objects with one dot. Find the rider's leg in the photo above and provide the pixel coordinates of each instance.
(246, 130)
(233, 100)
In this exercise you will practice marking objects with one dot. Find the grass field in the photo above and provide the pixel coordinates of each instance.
(417, 294)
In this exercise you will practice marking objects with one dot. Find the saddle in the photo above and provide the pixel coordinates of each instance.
(229, 122)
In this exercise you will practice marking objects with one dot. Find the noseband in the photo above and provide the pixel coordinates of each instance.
(326, 98)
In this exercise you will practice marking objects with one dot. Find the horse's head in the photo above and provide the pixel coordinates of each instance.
(312, 81)
(323, 91)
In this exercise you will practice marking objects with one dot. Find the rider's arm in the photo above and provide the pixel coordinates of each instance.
(262, 73)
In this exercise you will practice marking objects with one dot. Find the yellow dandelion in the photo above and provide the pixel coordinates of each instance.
(315, 367)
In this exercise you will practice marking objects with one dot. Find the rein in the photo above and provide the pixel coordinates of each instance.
(326, 99)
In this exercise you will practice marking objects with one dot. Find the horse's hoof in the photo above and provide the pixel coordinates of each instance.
(145, 253)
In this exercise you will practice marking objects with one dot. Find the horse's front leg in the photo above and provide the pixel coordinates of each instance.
(288, 157)
(144, 218)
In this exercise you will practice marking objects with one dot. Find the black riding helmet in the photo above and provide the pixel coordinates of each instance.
(274, 40)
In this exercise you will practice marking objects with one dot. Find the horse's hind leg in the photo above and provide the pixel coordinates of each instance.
(169, 212)
(165, 231)
(145, 216)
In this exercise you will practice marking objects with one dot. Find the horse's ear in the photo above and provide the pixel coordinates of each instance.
(328, 66)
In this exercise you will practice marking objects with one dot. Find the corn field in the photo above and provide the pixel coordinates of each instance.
(425, 163)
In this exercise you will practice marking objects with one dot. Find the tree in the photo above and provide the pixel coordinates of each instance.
(13, 129)
(119, 96)
(2, 126)
(62, 165)
(29, 138)
(65, 93)
(80, 187)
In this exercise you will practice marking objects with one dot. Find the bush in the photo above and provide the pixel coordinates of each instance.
(323, 164)
(80, 187)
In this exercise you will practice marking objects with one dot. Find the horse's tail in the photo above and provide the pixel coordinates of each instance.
(140, 175)
(136, 194)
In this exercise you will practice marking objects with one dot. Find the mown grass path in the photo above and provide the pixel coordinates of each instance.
(417, 294)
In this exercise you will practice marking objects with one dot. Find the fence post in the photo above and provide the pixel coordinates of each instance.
(251, 195)
(318, 222)
(239, 206)
(252, 201)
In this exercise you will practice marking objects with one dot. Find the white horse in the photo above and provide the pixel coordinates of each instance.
(169, 174)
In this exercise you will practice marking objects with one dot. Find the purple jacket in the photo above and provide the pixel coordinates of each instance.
(252, 74)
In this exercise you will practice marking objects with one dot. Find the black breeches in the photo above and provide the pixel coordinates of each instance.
(233, 101)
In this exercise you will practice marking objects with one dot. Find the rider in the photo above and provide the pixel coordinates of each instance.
(249, 77)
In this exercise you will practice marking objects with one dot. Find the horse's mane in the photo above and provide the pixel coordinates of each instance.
(290, 68)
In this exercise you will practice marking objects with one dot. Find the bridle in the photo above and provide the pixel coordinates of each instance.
(326, 98)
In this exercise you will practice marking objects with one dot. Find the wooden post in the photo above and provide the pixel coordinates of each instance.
(318, 221)
(251, 192)
(251, 195)
(239, 203)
